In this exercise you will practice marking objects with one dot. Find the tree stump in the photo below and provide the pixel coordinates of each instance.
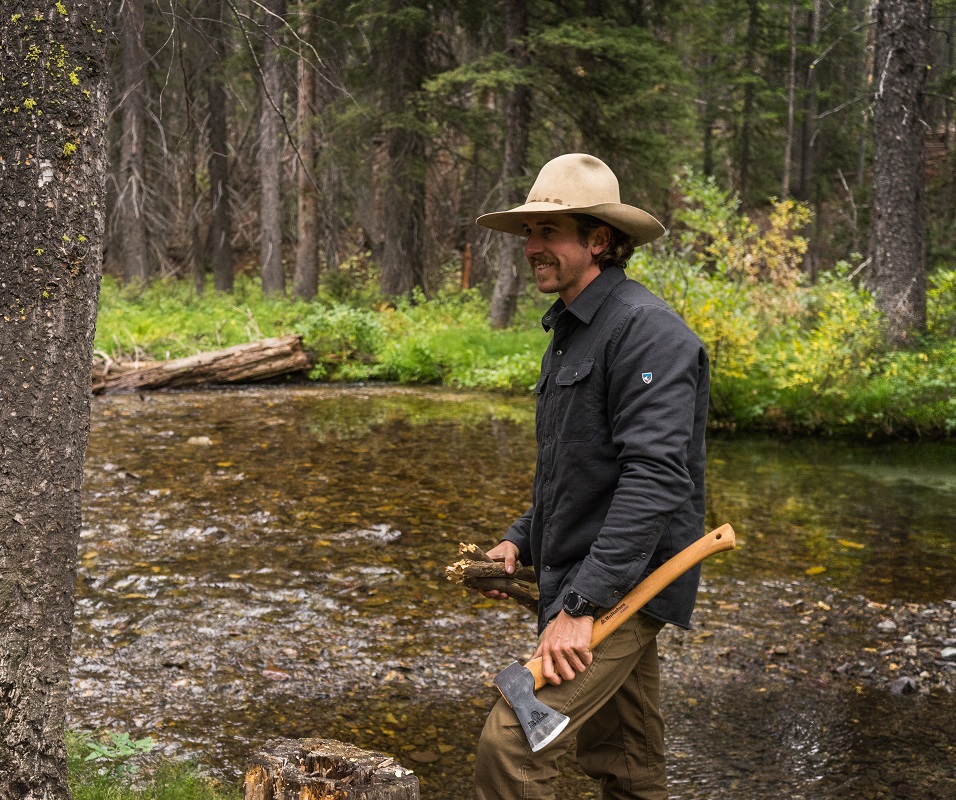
(324, 769)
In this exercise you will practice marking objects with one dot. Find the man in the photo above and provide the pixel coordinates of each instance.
(618, 487)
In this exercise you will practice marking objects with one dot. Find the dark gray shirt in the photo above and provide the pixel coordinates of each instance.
(619, 482)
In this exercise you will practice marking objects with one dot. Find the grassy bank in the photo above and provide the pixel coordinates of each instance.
(109, 766)
(787, 355)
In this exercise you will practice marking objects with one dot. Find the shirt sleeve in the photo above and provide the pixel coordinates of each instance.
(519, 534)
(655, 365)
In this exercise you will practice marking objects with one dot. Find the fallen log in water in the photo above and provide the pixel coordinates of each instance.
(312, 769)
(255, 361)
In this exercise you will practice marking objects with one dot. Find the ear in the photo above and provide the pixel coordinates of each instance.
(600, 240)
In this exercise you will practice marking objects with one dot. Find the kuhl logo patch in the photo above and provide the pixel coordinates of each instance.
(647, 377)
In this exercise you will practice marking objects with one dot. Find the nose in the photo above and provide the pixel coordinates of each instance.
(532, 245)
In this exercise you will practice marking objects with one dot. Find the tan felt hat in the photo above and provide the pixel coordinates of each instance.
(577, 183)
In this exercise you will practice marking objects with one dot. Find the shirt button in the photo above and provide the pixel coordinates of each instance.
(643, 555)
(559, 352)
(547, 569)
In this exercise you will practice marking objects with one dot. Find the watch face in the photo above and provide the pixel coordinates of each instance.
(577, 606)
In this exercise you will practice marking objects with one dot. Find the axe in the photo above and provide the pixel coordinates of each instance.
(518, 683)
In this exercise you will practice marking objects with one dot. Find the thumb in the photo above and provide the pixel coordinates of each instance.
(510, 563)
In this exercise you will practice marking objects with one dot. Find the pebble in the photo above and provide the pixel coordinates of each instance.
(948, 654)
(887, 625)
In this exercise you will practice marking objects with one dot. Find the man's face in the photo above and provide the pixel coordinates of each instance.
(561, 263)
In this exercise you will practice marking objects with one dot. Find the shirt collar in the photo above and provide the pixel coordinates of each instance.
(586, 304)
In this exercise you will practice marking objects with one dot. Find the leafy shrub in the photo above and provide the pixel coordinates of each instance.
(106, 766)
(785, 354)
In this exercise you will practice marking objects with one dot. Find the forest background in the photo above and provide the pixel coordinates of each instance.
(316, 167)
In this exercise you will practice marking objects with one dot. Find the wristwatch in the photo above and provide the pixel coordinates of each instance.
(576, 606)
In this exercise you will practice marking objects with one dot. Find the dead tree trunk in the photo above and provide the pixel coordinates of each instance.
(255, 361)
(312, 769)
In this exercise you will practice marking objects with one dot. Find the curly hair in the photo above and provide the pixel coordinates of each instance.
(619, 249)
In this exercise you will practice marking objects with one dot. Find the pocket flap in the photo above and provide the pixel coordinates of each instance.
(569, 374)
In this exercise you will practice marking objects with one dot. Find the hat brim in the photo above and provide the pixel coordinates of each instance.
(637, 224)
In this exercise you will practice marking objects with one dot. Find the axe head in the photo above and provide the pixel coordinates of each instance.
(540, 723)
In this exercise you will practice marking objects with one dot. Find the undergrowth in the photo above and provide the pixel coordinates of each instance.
(108, 766)
(786, 355)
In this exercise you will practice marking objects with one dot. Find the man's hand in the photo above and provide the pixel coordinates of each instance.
(565, 647)
(508, 553)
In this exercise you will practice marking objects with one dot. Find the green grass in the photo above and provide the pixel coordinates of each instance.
(785, 355)
(107, 766)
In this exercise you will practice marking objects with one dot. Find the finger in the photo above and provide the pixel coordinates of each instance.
(548, 669)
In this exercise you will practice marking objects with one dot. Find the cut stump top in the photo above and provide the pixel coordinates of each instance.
(325, 769)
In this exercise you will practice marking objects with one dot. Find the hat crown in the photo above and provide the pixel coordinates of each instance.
(575, 180)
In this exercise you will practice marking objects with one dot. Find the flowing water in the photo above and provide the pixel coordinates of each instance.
(270, 563)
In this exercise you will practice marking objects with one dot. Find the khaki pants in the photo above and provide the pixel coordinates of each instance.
(614, 708)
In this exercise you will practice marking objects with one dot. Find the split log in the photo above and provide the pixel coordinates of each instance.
(255, 361)
(479, 572)
(324, 769)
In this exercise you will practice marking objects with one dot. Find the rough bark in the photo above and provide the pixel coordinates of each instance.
(53, 113)
(897, 272)
(504, 300)
(255, 361)
(270, 152)
(130, 204)
(312, 769)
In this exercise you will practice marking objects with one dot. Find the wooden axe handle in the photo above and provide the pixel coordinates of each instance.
(716, 541)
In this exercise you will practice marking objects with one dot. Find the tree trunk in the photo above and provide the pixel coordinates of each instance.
(219, 242)
(791, 104)
(747, 113)
(306, 281)
(403, 255)
(131, 201)
(51, 234)
(897, 273)
(270, 152)
(808, 133)
(287, 769)
(194, 59)
(504, 300)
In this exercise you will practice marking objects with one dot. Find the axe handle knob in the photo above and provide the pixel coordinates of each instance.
(717, 541)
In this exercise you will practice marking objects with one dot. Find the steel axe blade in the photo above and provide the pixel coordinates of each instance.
(541, 724)
(517, 683)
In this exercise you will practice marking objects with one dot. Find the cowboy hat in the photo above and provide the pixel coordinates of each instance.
(577, 183)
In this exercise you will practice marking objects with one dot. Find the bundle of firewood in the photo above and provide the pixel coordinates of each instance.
(476, 571)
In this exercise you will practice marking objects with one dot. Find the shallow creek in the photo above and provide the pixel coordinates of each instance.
(270, 563)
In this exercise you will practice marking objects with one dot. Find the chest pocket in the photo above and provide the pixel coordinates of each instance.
(576, 404)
